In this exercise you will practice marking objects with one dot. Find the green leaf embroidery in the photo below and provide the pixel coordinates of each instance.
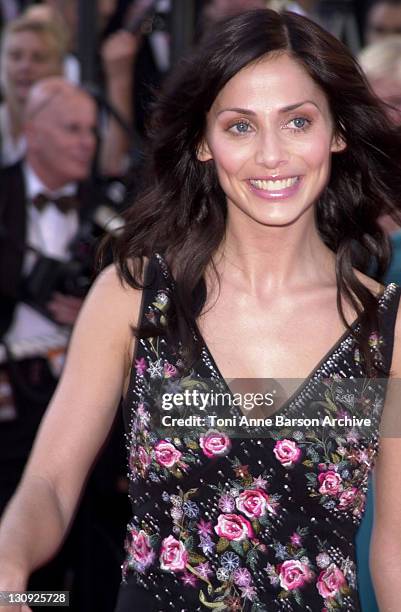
(222, 544)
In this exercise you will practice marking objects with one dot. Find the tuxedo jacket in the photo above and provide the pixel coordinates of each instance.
(13, 231)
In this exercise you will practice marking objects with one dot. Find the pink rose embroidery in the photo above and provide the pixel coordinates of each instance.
(294, 574)
(233, 527)
(287, 452)
(347, 497)
(173, 555)
(141, 550)
(166, 454)
(215, 444)
(330, 581)
(254, 503)
(331, 483)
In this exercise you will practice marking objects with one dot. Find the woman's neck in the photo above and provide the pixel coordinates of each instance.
(273, 258)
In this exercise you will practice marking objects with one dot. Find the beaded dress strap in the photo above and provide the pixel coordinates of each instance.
(388, 309)
(155, 279)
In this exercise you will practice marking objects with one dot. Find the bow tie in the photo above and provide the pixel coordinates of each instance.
(63, 203)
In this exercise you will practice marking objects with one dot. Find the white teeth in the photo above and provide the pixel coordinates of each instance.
(274, 185)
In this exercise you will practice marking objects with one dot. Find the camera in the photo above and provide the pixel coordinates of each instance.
(75, 276)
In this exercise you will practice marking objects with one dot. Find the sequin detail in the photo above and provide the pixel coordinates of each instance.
(266, 523)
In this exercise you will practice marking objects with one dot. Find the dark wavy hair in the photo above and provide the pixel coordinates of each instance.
(182, 212)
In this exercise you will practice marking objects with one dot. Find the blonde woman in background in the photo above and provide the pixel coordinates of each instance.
(30, 51)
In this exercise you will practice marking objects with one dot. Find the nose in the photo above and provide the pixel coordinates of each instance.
(271, 150)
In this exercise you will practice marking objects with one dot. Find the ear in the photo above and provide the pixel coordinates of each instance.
(203, 153)
(338, 144)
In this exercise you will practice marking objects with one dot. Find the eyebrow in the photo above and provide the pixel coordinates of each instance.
(285, 109)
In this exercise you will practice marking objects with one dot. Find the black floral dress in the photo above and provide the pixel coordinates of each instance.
(253, 522)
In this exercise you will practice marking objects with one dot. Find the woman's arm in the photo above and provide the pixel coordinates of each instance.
(385, 552)
(76, 424)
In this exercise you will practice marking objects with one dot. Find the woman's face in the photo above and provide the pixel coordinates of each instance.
(27, 58)
(270, 135)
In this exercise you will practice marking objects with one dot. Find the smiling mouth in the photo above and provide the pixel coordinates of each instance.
(274, 185)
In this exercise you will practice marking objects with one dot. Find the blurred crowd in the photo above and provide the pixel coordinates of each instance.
(71, 160)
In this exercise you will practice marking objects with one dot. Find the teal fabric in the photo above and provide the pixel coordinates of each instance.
(394, 272)
(366, 592)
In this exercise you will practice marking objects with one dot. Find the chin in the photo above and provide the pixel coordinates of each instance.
(282, 216)
(79, 174)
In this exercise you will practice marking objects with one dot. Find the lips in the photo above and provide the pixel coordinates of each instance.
(275, 188)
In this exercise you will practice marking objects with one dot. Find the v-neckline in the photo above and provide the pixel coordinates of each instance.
(313, 373)
(306, 381)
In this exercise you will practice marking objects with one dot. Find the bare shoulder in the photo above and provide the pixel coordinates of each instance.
(111, 303)
(112, 291)
(106, 319)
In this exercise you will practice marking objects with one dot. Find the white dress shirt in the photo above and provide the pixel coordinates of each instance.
(50, 232)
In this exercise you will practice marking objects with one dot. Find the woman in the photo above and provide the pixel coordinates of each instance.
(31, 50)
(238, 262)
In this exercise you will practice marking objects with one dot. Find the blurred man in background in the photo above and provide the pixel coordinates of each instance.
(46, 203)
(40, 209)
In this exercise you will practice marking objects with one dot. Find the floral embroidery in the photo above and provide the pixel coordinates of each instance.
(247, 534)
(140, 549)
(287, 452)
(173, 555)
(330, 582)
(294, 571)
(215, 443)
